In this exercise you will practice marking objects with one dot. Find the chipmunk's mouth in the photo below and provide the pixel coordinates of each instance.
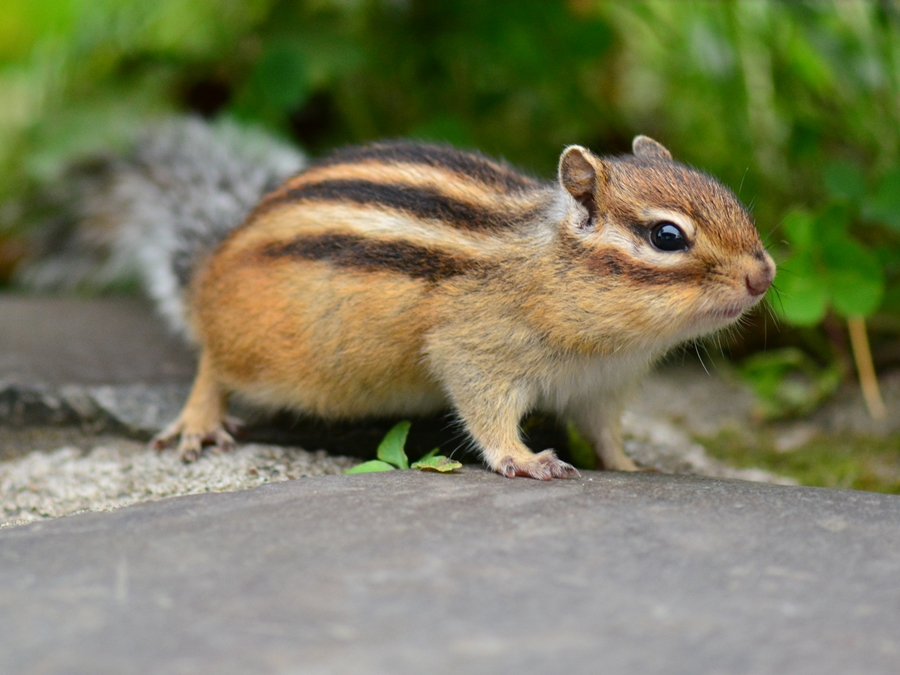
(732, 308)
(716, 318)
(728, 313)
(718, 313)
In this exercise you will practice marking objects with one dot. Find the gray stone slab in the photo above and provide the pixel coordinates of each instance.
(138, 410)
(100, 341)
(407, 572)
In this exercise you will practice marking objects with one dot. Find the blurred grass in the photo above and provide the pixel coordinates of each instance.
(835, 461)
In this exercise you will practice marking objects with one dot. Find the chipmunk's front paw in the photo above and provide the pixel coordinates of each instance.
(542, 466)
(191, 440)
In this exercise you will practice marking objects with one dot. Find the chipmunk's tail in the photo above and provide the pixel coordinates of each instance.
(149, 214)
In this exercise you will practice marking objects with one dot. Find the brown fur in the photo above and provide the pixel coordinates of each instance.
(395, 279)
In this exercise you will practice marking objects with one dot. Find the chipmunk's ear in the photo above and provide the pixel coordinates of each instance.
(644, 146)
(582, 174)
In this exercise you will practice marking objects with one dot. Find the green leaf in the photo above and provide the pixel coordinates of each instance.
(437, 463)
(884, 206)
(391, 447)
(845, 181)
(798, 227)
(803, 302)
(802, 294)
(373, 466)
(831, 223)
(854, 294)
(855, 277)
(829, 267)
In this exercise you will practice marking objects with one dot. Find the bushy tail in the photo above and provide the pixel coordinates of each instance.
(149, 214)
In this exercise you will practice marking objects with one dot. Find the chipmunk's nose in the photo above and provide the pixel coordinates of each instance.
(760, 278)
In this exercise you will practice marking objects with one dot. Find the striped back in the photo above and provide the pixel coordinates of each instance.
(426, 211)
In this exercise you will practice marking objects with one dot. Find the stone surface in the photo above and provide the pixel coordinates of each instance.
(412, 573)
(100, 341)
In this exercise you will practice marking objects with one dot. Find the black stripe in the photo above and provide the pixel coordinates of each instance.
(605, 263)
(422, 203)
(609, 263)
(495, 174)
(349, 250)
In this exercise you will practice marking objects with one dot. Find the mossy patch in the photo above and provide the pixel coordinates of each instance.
(836, 461)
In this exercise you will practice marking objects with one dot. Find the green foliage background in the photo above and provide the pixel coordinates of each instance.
(795, 105)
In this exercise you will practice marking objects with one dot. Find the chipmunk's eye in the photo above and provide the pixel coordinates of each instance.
(667, 236)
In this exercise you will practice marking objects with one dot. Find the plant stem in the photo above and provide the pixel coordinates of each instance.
(859, 343)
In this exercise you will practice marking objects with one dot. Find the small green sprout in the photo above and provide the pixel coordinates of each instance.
(435, 462)
(391, 455)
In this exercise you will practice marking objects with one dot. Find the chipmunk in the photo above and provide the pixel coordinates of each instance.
(401, 278)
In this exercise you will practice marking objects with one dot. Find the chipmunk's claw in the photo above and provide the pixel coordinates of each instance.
(542, 466)
(191, 441)
(233, 425)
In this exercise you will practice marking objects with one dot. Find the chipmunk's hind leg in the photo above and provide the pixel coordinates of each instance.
(203, 421)
(600, 422)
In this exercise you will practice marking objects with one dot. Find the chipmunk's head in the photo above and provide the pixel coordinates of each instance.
(674, 252)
